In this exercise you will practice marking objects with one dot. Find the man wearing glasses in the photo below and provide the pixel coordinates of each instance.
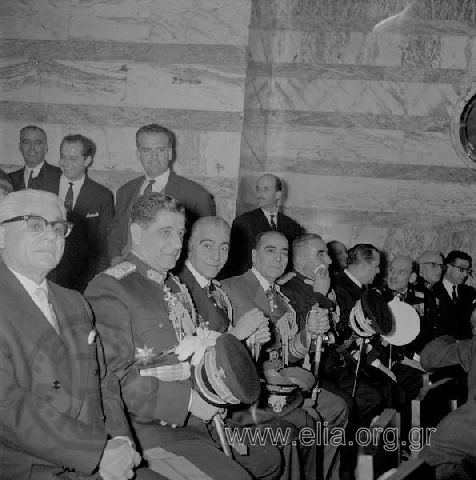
(51, 420)
(455, 298)
(155, 151)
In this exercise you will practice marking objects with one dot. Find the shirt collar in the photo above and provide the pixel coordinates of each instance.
(36, 170)
(262, 281)
(352, 278)
(201, 280)
(162, 178)
(449, 286)
(77, 184)
(29, 285)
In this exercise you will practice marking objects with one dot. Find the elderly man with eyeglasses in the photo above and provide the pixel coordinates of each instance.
(51, 421)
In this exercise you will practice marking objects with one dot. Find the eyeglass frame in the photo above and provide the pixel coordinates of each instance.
(69, 225)
(434, 264)
(467, 270)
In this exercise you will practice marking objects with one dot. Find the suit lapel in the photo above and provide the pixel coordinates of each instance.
(74, 333)
(172, 188)
(256, 291)
(81, 204)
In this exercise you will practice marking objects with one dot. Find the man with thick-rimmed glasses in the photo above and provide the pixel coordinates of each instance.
(52, 421)
(455, 298)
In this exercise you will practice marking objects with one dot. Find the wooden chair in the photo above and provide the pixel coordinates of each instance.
(377, 458)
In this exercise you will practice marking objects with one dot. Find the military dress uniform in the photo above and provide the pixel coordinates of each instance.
(142, 315)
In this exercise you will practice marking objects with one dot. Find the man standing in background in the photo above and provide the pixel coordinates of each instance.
(155, 153)
(36, 173)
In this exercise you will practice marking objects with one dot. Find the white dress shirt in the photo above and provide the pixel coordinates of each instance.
(352, 278)
(268, 216)
(201, 280)
(28, 170)
(159, 184)
(262, 281)
(64, 187)
(449, 287)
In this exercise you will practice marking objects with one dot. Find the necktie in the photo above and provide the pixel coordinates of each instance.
(30, 178)
(454, 295)
(148, 188)
(46, 308)
(272, 222)
(68, 199)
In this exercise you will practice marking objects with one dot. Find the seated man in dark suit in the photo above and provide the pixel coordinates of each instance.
(90, 206)
(51, 368)
(36, 173)
(456, 300)
(266, 217)
(155, 151)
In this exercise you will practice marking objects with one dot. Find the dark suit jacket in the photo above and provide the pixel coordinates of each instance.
(454, 318)
(85, 248)
(48, 179)
(204, 305)
(50, 401)
(347, 294)
(243, 236)
(196, 200)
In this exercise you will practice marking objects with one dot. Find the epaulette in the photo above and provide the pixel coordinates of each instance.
(121, 270)
(285, 279)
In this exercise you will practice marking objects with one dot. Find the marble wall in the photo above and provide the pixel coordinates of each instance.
(105, 67)
(351, 101)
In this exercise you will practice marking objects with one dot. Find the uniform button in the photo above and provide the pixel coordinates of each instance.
(56, 384)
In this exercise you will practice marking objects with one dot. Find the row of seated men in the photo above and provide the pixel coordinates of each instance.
(302, 289)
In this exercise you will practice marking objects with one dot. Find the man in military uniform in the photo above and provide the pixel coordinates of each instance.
(142, 313)
(257, 288)
(307, 288)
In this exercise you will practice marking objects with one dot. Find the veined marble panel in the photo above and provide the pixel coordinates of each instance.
(373, 235)
(257, 93)
(431, 98)
(430, 148)
(193, 87)
(200, 21)
(422, 50)
(19, 79)
(34, 19)
(455, 52)
(82, 82)
(212, 154)
(259, 45)
(286, 46)
(122, 20)
(108, 50)
(437, 199)
(349, 96)
(336, 144)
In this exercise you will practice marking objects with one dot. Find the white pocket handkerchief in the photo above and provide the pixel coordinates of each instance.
(91, 336)
(91, 215)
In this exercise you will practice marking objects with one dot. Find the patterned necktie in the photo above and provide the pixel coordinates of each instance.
(68, 199)
(46, 308)
(148, 188)
(454, 295)
(272, 222)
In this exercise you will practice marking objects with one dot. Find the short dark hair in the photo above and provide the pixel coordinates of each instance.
(259, 237)
(89, 147)
(33, 127)
(146, 207)
(158, 129)
(360, 253)
(458, 254)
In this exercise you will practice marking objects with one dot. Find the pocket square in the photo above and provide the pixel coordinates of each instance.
(91, 336)
(91, 215)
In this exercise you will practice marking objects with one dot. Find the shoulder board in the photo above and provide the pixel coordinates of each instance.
(121, 270)
(286, 278)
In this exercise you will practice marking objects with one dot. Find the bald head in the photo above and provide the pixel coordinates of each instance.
(268, 192)
(399, 273)
(430, 266)
(209, 245)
